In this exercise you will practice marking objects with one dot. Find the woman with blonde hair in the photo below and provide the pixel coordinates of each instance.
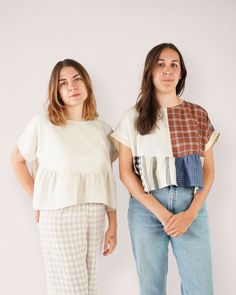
(74, 183)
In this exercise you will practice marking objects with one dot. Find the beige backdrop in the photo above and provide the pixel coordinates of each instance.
(111, 39)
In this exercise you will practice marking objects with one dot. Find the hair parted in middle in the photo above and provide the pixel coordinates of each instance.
(56, 106)
(149, 111)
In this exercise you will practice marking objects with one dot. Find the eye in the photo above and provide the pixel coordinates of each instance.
(78, 78)
(62, 84)
(174, 65)
(161, 65)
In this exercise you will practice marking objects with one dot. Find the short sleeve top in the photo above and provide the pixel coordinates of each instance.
(74, 162)
(173, 153)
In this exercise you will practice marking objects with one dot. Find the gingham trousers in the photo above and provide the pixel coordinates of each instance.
(71, 240)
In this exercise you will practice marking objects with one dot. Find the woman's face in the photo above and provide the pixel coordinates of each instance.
(167, 72)
(71, 88)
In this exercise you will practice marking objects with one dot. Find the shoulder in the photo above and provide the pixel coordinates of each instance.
(196, 109)
(130, 115)
(39, 121)
(103, 125)
(36, 120)
(131, 112)
(40, 118)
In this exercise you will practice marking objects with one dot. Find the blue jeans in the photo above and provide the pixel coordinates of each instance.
(150, 245)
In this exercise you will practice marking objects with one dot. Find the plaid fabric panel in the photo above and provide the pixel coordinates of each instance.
(189, 171)
(190, 129)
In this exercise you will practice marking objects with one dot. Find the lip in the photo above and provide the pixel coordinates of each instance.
(168, 80)
(75, 95)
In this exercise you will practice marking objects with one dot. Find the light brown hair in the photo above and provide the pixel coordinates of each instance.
(56, 106)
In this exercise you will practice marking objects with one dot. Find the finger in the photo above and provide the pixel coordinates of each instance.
(106, 250)
(170, 221)
(176, 235)
(110, 248)
(172, 226)
(105, 245)
(36, 216)
(171, 232)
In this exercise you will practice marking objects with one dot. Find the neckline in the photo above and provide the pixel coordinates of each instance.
(176, 106)
(78, 122)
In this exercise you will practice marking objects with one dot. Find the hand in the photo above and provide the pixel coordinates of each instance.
(36, 215)
(165, 216)
(109, 241)
(179, 223)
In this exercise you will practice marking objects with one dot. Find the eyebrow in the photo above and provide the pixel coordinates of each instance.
(72, 77)
(173, 60)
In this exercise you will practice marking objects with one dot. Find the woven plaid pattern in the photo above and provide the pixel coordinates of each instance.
(190, 129)
(71, 240)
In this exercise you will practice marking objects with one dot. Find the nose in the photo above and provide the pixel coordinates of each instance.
(167, 71)
(73, 86)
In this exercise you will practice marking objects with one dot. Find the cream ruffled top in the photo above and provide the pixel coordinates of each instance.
(74, 162)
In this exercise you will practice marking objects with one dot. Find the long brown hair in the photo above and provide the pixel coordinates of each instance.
(149, 111)
(56, 106)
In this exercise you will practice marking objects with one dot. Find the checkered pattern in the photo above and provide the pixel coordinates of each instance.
(189, 171)
(190, 129)
(71, 240)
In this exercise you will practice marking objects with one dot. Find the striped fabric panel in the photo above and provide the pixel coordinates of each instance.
(155, 172)
(154, 169)
(167, 164)
(141, 171)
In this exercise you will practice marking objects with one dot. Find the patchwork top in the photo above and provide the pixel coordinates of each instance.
(74, 162)
(173, 153)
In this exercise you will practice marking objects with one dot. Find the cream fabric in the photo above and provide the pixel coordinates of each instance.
(71, 240)
(74, 162)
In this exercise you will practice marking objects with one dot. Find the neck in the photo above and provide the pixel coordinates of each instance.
(75, 113)
(168, 99)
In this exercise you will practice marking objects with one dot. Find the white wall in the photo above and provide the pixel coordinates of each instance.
(111, 39)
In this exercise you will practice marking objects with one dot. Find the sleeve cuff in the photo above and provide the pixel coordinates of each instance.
(120, 139)
(24, 154)
(214, 138)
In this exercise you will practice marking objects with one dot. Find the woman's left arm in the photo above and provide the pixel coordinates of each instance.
(110, 239)
(180, 222)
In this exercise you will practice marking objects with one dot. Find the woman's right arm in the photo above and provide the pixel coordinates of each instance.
(135, 187)
(22, 172)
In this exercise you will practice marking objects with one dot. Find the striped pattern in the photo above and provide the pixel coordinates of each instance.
(155, 172)
(140, 169)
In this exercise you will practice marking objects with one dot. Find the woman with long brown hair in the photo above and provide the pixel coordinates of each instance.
(74, 183)
(166, 163)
